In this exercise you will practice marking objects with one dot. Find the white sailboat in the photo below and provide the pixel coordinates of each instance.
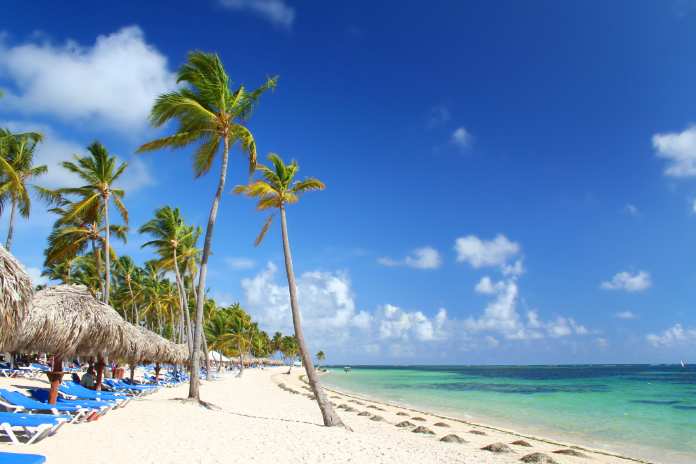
(683, 364)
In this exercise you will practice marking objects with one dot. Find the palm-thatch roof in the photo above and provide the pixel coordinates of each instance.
(15, 296)
(69, 320)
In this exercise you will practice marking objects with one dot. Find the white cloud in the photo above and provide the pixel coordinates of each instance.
(275, 11)
(240, 263)
(421, 258)
(628, 282)
(395, 323)
(625, 315)
(632, 210)
(112, 83)
(602, 343)
(36, 277)
(679, 149)
(461, 137)
(326, 303)
(484, 253)
(675, 335)
(693, 206)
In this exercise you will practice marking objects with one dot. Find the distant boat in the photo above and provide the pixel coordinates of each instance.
(346, 369)
(683, 364)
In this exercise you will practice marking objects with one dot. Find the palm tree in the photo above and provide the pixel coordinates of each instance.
(99, 171)
(320, 357)
(289, 349)
(216, 329)
(275, 342)
(240, 333)
(126, 275)
(17, 167)
(169, 232)
(277, 189)
(209, 113)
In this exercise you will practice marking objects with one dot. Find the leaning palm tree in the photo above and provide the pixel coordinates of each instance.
(277, 189)
(169, 231)
(209, 114)
(99, 170)
(17, 168)
(321, 356)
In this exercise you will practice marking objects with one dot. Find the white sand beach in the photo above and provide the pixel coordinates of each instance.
(253, 419)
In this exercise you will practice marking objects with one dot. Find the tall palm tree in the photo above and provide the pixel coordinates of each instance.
(99, 170)
(321, 356)
(277, 189)
(169, 232)
(17, 168)
(126, 276)
(209, 113)
(289, 349)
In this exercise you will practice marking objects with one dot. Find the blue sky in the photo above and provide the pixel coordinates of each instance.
(508, 182)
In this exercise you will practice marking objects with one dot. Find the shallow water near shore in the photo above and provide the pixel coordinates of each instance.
(640, 411)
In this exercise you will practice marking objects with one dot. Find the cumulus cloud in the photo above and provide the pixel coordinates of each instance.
(395, 323)
(274, 11)
(625, 315)
(461, 138)
(421, 258)
(675, 335)
(628, 282)
(679, 150)
(326, 301)
(112, 82)
(240, 263)
(486, 253)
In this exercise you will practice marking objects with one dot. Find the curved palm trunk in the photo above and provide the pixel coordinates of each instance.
(241, 360)
(331, 419)
(134, 307)
(107, 256)
(10, 229)
(205, 342)
(97, 261)
(194, 391)
(183, 302)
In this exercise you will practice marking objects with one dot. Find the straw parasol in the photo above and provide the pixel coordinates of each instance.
(69, 320)
(15, 296)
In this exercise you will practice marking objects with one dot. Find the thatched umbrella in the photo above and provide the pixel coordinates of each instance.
(15, 296)
(68, 320)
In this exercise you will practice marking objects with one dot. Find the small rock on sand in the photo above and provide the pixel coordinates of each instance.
(440, 424)
(570, 452)
(342, 406)
(349, 409)
(452, 438)
(418, 419)
(401, 413)
(521, 443)
(476, 432)
(425, 430)
(498, 448)
(377, 418)
(364, 413)
(538, 458)
(405, 424)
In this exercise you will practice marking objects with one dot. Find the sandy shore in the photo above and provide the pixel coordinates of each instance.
(255, 420)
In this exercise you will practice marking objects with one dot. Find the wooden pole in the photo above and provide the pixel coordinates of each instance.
(100, 373)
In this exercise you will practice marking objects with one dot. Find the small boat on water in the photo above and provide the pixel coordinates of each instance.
(346, 369)
(683, 364)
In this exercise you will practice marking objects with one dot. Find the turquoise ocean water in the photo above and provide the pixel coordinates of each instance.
(641, 411)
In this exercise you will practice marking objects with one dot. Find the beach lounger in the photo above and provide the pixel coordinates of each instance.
(17, 402)
(36, 427)
(71, 388)
(14, 458)
(137, 390)
(41, 394)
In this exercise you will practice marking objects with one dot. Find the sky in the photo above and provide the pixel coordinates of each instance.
(507, 182)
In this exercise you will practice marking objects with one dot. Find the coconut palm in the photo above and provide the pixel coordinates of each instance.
(209, 114)
(277, 189)
(126, 277)
(240, 333)
(320, 357)
(289, 350)
(99, 170)
(169, 232)
(17, 168)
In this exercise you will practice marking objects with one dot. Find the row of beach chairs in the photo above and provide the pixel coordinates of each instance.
(27, 417)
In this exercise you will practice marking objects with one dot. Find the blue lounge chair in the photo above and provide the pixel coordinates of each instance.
(14, 458)
(16, 402)
(41, 394)
(71, 388)
(135, 389)
(35, 426)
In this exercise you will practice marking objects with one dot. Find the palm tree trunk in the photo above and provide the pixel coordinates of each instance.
(97, 263)
(194, 392)
(107, 256)
(10, 230)
(133, 305)
(241, 360)
(183, 301)
(330, 417)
